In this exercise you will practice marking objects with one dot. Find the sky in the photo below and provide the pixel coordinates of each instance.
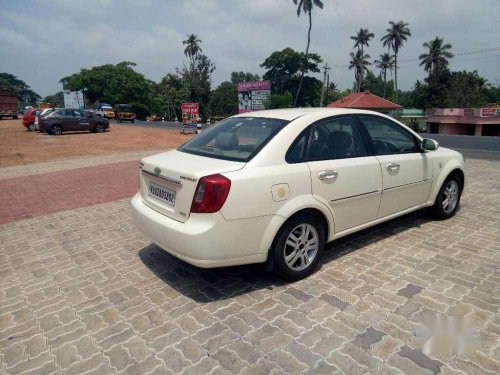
(42, 41)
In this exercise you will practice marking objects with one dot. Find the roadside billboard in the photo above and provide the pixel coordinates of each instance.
(73, 99)
(252, 95)
(190, 115)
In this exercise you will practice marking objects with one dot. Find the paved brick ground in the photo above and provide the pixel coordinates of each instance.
(82, 291)
(41, 194)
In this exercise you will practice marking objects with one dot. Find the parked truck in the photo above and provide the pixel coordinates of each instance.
(8, 103)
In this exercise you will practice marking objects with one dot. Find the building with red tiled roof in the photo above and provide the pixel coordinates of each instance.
(365, 100)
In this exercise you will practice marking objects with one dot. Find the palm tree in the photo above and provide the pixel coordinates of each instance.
(385, 63)
(437, 57)
(306, 6)
(193, 48)
(359, 62)
(396, 35)
(361, 39)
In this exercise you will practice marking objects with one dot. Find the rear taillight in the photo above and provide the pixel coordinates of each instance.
(210, 194)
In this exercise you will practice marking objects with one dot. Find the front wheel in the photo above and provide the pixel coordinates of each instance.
(298, 246)
(448, 198)
(32, 127)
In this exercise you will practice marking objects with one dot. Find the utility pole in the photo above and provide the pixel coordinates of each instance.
(326, 68)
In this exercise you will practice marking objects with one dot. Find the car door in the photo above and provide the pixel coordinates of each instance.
(82, 121)
(406, 170)
(69, 121)
(344, 175)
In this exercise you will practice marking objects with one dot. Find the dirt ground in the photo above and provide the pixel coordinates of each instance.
(19, 146)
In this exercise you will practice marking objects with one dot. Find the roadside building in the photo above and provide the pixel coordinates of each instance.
(412, 117)
(365, 100)
(464, 121)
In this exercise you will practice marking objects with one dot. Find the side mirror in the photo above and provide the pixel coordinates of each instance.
(429, 144)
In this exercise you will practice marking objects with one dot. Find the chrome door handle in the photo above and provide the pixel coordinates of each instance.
(392, 166)
(328, 175)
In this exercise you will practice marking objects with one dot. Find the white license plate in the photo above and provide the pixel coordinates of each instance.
(162, 193)
(36, 120)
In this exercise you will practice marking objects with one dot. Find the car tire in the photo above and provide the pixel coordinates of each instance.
(32, 127)
(99, 127)
(56, 130)
(448, 199)
(297, 247)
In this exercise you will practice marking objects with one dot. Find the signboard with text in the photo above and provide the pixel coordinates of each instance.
(74, 99)
(190, 116)
(252, 95)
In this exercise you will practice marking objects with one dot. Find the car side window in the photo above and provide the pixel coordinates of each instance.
(337, 138)
(388, 137)
(297, 151)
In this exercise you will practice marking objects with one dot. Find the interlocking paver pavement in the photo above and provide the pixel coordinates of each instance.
(82, 291)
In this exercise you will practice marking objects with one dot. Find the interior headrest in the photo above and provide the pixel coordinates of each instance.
(227, 141)
(339, 140)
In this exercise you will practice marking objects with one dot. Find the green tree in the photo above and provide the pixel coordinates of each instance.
(197, 82)
(385, 63)
(377, 85)
(55, 100)
(359, 62)
(466, 89)
(193, 48)
(437, 57)
(25, 95)
(113, 84)
(224, 100)
(283, 100)
(306, 6)
(284, 69)
(238, 77)
(396, 35)
(361, 39)
(170, 94)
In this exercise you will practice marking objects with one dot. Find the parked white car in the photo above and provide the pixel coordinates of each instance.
(275, 186)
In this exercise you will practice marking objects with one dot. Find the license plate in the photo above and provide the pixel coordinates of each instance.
(36, 120)
(162, 193)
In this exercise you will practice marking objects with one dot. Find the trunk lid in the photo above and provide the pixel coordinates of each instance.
(168, 180)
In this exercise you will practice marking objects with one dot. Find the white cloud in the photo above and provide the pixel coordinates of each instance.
(45, 40)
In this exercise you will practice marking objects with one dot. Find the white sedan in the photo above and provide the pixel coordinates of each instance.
(275, 186)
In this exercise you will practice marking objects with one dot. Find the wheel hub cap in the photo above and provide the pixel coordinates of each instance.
(450, 196)
(301, 247)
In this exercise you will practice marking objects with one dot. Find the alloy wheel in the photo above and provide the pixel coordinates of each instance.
(301, 247)
(450, 196)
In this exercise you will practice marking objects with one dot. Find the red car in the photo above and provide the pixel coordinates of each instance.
(30, 117)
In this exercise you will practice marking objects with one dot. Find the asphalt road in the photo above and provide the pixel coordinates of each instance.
(470, 146)
(473, 147)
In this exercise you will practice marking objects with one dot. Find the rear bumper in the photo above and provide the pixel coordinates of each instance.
(204, 240)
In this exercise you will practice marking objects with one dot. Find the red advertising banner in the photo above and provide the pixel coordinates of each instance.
(486, 112)
(190, 116)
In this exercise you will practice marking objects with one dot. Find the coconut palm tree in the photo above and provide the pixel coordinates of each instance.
(306, 6)
(361, 39)
(359, 62)
(385, 63)
(437, 57)
(193, 48)
(396, 35)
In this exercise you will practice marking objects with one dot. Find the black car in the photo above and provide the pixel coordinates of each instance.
(69, 119)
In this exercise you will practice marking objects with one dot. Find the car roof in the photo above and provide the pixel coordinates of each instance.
(290, 114)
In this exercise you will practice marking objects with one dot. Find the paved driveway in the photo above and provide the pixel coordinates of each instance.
(82, 291)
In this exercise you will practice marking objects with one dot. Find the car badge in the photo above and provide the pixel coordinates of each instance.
(157, 171)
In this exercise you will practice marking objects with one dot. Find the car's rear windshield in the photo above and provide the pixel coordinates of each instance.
(236, 138)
